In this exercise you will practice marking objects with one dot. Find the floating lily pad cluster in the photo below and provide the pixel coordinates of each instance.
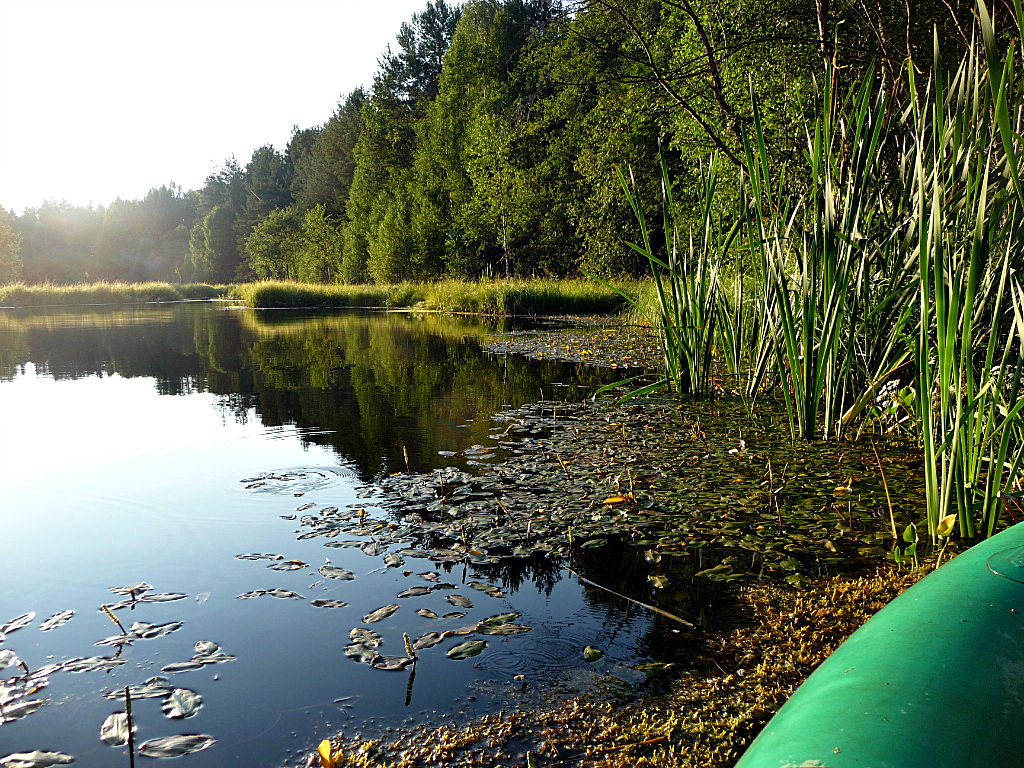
(746, 501)
(417, 540)
(19, 691)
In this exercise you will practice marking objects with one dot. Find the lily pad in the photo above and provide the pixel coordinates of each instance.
(488, 589)
(288, 565)
(206, 647)
(392, 663)
(182, 703)
(414, 592)
(367, 637)
(372, 548)
(212, 658)
(428, 640)
(592, 655)
(333, 572)
(56, 620)
(459, 601)
(467, 649)
(381, 613)
(136, 590)
(153, 688)
(329, 604)
(414, 552)
(502, 629)
(18, 623)
(285, 594)
(163, 597)
(20, 709)
(427, 613)
(148, 631)
(361, 653)
(178, 667)
(176, 746)
(260, 556)
(114, 731)
(392, 560)
(91, 664)
(36, 759)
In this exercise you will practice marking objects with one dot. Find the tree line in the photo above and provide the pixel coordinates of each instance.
(488, 141)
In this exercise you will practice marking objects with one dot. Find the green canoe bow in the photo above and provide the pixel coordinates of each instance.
(935, 679)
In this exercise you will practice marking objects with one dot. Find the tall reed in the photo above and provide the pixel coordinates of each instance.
(896, 263)
(690, 312)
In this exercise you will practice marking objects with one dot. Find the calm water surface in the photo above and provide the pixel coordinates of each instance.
(156, 444)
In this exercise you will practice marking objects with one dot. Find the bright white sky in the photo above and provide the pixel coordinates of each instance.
(102, 99)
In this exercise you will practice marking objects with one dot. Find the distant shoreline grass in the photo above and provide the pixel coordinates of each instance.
(490, 297)
(22, 295)
(497, 297)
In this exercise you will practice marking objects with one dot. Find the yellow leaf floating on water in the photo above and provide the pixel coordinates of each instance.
(324, 750)
(616, 499)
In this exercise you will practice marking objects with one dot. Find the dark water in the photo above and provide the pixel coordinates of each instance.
(156, 444)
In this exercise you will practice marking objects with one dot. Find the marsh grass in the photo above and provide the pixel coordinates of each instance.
(498, 297)
(894, 265)
(21, 295)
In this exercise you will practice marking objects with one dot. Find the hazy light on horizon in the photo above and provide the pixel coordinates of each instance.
(107, 99)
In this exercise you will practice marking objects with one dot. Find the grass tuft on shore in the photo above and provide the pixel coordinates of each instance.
(498, 297)
(22, 295)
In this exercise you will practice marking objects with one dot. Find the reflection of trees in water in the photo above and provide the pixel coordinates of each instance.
(511, 573)
(621, 567)
(366, 385)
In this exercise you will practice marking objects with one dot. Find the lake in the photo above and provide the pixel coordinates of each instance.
(228, 470)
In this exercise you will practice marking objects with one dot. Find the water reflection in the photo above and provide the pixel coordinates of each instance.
(374, 387)
(126, 437)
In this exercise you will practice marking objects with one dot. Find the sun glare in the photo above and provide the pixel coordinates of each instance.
(106, 99)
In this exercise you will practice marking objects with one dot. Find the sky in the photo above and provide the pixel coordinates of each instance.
(101, 99)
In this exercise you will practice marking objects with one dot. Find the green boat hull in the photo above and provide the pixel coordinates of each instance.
(935, 679)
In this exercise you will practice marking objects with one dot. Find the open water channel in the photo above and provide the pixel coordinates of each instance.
(214, 477)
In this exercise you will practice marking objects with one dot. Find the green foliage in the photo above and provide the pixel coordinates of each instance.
(21, 295)
(503, 297)
(690, 305)
(10, 249)
(487, 143)
(275, 244)
(320, 254)
(323, 174)
(890, 262)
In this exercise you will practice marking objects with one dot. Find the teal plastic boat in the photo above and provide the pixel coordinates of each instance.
(935, 679)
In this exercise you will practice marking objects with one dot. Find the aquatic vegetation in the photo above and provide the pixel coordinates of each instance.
(176, 746)
(729, 689)
(891, 263)
(21, 295)
(498, 297)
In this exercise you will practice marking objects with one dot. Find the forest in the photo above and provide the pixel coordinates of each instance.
(489, 141)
